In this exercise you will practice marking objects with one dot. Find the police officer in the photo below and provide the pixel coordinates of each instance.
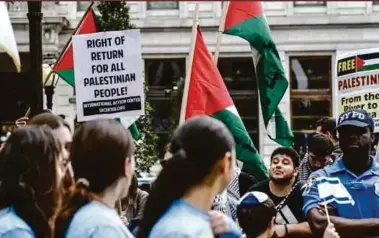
(359, 172)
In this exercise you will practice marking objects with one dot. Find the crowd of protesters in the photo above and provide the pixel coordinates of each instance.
(55, 183)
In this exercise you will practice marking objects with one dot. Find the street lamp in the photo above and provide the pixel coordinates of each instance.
(49, 80)
(35, 49)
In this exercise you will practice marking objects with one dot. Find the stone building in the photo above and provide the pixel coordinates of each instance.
(308, 35)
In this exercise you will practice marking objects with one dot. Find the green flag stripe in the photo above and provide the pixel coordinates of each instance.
(68, 76)
(284, 134)
(245, 148)
(369, 67)
(134, 131)
(271, 78)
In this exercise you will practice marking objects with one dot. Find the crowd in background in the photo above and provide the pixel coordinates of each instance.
(57, 184)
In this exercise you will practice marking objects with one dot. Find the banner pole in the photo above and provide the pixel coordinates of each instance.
(189, 65)
(220, 31)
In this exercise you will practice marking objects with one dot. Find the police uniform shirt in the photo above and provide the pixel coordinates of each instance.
(364, 189)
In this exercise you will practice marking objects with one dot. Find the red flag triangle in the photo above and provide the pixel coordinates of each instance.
(86, 26)
(359, 63)
(207, 92)
(239, 11)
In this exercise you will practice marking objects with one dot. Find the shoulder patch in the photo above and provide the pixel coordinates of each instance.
(308, 185)
(376, 185)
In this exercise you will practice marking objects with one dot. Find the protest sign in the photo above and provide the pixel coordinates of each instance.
(108, 75)
(357, 83)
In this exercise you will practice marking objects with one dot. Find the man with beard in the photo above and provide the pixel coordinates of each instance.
(358, 172)
(284, 190)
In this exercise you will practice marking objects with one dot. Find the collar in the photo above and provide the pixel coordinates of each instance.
(339, 166)
(5, 210)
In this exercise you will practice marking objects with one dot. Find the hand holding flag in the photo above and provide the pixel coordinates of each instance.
(332, 190)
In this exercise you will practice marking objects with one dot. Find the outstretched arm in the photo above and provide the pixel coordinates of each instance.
(345, 227)
(293, 230)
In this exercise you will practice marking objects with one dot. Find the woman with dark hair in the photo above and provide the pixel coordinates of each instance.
(102, 160)
(202, 166)
(29, 182)
(61, 130)
(133, 204)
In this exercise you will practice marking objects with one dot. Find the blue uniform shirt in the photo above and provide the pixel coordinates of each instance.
(95, 220)
(12, 226)
(364, 189)
(182, 220)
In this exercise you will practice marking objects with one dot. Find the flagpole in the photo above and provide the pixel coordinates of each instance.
(327, 213)
(377, 153)
(76, 29)
(220, 31)
(189, 65)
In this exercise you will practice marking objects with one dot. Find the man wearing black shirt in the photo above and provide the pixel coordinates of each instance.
(285, 192)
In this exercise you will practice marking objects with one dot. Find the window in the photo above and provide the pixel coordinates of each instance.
(239, 77)
(166, 5)
(310, 82)
(161, 76)
(238, 73)
(309, 3)
(82, 6)
(164, 73)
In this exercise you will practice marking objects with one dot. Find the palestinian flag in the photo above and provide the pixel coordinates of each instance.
(246, 20)
(208, 95)
(366, 62)
(8, 42)
(65, 64)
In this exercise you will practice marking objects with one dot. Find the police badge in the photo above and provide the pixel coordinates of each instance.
(376, 185)
(308, 185)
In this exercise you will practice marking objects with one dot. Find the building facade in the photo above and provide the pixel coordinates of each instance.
(308, 35)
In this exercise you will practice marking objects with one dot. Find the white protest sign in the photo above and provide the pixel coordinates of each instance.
(357, 83)
(108, 75)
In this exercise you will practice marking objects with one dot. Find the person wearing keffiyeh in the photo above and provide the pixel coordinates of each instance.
(318, 156)
(227, 201)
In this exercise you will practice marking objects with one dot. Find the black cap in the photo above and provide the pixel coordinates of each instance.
(355, 117)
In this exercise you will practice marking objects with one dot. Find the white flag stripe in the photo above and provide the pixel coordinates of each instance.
(128, 121)
(233, 110)
(7, 40)
(371, 61)
(331, 189)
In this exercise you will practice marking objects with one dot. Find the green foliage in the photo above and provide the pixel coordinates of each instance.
(114, 17)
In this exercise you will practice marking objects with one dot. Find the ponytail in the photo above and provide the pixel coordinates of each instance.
(74, 198)
(98, 147)
(178, 175)
(197, 146)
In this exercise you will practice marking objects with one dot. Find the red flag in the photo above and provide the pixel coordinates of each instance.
(207, 92)
(208, 95)
(65, 64)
